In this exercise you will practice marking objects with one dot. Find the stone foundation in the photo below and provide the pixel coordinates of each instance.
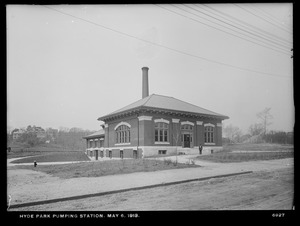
(148, 151)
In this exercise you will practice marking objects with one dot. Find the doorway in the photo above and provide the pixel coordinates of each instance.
(96, 154)
(135, 154)
(186, 140)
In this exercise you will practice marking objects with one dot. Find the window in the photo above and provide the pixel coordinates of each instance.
(209, 134)
(121, 154)
(162, 152)
(161, 132)
(123, 134)
(101, 143)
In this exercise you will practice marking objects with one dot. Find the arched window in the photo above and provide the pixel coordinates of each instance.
(209, 134)
(161, 132)
(123, 134)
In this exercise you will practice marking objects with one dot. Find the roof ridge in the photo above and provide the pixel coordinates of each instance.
(148, 99)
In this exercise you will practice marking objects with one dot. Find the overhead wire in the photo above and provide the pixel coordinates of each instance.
(262, 18)
(172, 11)
(166, 47)
(274, 19)
(243, 30)
(246, 30)
(245, 24)
(261, 41)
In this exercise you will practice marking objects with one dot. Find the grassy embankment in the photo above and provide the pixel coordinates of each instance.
(44, 153)
(250, 152)
(85, 169)
(104, 168)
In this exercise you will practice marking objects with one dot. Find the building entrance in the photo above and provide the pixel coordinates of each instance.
(96, 154)
(186, 140)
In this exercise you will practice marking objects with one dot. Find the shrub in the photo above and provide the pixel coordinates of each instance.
(167, 161)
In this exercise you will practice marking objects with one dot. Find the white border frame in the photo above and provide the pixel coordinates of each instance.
(121, 124)
(188, 123)
(161, 120)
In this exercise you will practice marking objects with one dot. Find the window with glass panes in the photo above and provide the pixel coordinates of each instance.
(123, 134)
(161, 132)
(209, 134)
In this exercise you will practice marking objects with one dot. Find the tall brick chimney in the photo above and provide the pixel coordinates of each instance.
(145, 90)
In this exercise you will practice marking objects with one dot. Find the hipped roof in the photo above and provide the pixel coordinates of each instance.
(99, 133)
(155, 101)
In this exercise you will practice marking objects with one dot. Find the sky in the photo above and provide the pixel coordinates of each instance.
(67, 65)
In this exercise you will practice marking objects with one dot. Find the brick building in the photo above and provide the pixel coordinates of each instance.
(157, 125)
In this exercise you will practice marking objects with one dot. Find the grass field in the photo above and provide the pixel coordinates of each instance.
(23, 150)
(103, 168)
(258, 147)
(255, 152)
(61, 156)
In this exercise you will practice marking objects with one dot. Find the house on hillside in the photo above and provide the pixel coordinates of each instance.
(158, 125)
(17, 133)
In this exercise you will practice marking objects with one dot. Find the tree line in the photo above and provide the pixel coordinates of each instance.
(66, 138)
(258, 132)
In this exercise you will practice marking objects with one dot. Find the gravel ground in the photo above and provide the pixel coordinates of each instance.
(272, 190)
(27, 185)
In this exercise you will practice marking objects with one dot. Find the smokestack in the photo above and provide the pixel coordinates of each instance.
(145, 82)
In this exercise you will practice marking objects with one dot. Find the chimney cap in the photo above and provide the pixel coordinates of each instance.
(145, 68)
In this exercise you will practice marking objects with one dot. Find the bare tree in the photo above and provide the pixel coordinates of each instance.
(176, 137)
(232, 132)
(256, 129)
(265, 117)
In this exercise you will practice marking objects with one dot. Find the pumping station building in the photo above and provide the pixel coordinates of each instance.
(156, 125)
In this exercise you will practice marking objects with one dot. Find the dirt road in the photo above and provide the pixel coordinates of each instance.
(258, 191)
(271, 186)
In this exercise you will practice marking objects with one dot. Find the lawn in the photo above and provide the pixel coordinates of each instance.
(104, 168)
(62, 156)
(226, 156)
(23, 150)
(258, 147)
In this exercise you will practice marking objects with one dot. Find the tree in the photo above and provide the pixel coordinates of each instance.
(256, 129)
(176, 135)
(233, 133)
(29, 138)
(265, 117)
(8, 138)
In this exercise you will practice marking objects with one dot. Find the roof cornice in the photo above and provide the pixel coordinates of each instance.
(144, 109)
